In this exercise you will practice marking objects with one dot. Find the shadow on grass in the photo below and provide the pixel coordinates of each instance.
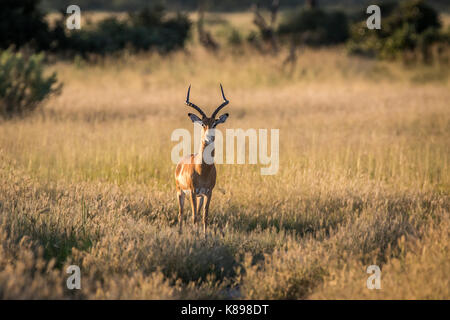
(57, 241)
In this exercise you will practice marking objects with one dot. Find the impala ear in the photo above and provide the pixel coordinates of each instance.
(221, 119)
(195, 119)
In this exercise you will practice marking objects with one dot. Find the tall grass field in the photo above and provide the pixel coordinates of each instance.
(363, 180)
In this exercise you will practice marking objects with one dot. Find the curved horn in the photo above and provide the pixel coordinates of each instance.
(190, 104)
(225, 102)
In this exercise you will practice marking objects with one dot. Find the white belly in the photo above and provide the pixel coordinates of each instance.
(202, 191)
(198, 191)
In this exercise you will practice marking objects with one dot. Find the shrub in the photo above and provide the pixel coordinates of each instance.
(315, 27)
(23, 85)
(234, 38)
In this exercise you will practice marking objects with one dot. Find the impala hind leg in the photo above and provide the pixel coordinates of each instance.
(199, 205)
(180, 196)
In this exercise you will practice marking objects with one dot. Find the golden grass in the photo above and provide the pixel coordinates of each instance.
(364, 179)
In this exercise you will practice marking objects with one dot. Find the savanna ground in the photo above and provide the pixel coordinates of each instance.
(363, 179)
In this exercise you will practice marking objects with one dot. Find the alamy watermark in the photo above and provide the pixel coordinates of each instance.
(374, 281)
(374, 21)
(74, 280)
(74, 20)
(235, 140)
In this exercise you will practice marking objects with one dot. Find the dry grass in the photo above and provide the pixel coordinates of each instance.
(364, 179)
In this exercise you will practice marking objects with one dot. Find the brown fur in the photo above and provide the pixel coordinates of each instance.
(193, 176)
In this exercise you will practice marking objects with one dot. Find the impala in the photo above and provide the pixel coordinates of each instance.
(195, 174)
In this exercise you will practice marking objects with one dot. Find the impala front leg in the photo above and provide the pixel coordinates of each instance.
(194, 206)
(199, 205)
(206, 211)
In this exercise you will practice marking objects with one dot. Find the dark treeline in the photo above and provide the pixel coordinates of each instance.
(408, 25)
(212, 5)
(23, 24)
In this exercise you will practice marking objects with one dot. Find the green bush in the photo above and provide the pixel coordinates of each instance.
(234, 38)
(23, 85)
(315, 27)
(406, 26)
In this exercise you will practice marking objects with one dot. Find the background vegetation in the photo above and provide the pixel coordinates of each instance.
(24, 24)
(23, 85)
(364, 177)
(408, 27)
(214, 5)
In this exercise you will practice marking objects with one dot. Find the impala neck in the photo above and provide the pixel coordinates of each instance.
(201, 165)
